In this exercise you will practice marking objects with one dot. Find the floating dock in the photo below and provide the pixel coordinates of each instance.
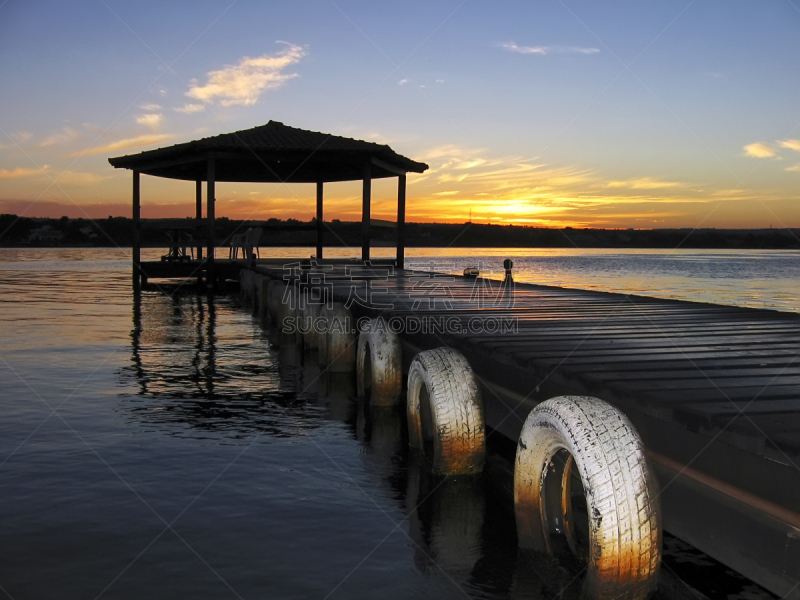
(224, 270)
(714, 391)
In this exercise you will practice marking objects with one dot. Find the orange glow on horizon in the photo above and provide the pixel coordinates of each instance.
(608, 214)
(460, 185)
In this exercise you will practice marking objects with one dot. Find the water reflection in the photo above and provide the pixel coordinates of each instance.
(538, 575)
(337, 394)
(201, 367)
(446, 517)
(460, 529)
(192, 368)
(382, 430)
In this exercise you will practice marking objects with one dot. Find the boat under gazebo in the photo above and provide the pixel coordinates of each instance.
(271, 153)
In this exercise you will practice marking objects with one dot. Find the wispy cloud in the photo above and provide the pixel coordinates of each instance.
(760, 150)
(643, 183)
(450, 157)
(378, 138)
(67, 134)
(140, 141)
(151, 120)
(20, 172)
(190, 109)
(790, 144)
(150, 107)
(81, 178)
(67, 177)
(21, 137)
(513, 47)
(794, 168)
(523, 189)
(470, 164)
(243, 84)
(410, 82)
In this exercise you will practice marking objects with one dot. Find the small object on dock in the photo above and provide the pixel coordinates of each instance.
(471, 272)
(508, 264)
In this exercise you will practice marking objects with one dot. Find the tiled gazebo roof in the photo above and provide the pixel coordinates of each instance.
(272, 153)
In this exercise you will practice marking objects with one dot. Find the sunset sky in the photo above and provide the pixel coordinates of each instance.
(613, 114)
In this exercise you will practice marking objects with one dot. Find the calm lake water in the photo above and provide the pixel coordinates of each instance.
(164, 448)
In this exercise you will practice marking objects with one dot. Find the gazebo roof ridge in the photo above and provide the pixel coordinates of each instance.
(286, 133)
(272, 152)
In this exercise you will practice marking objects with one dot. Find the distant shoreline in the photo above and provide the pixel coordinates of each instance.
(27, 232)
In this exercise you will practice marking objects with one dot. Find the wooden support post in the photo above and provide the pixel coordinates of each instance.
(319, 220)
(365, 206)
(137, 242)
(198, 195)
(210, 198)
(401, 221)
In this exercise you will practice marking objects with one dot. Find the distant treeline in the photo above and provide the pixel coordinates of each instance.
(118, 231)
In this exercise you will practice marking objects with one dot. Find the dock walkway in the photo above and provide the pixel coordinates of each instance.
(714, 391)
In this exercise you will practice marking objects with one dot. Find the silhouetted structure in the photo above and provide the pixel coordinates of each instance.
(271, 153)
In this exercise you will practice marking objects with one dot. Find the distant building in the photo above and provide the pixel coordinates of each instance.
(45, 233)
(88, 232)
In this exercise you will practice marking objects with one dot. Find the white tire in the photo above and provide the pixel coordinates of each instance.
(337, 353)
(379, 364)
(309, 316)
(444, 406)
(287, 322)
(577, 454)
(275, 292)
(263, 310)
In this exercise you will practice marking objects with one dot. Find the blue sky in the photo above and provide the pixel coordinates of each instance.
(614, 114)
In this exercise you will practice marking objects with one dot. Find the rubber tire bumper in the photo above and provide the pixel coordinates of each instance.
(443, 389)
(385, 378)
(621, 492)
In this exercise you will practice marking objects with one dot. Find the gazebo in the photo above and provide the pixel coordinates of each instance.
(272, 153)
